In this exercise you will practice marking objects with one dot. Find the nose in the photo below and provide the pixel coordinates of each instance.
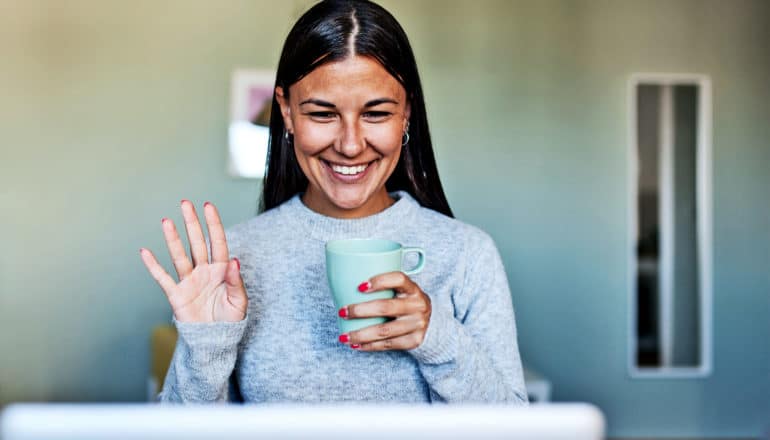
(351, 142)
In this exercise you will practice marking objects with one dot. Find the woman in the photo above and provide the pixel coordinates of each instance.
(350, 156)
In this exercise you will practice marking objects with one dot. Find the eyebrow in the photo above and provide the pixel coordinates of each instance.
(372, 103)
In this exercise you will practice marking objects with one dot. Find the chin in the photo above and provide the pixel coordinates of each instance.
(349, 201)
(348, 204)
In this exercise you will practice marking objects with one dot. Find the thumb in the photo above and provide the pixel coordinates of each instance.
(236, 291)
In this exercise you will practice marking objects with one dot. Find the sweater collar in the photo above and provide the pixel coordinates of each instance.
(380, 225)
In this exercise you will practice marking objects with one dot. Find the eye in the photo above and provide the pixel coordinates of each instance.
(376, 116)
(322, 116)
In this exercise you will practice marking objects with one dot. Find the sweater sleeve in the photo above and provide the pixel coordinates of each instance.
(203, 361)
(474, 357)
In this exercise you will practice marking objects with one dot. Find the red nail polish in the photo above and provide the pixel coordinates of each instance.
(238, 263)
(343, 312)
(140, 250)
(163, 220)
(355, 346)
(206, 203)
(344, 338)
(363, 287)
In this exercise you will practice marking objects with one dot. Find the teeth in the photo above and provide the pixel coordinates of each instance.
(348, 170)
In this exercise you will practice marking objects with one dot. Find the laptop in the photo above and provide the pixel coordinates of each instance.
(576, 421)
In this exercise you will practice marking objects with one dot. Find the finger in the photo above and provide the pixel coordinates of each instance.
(391, 308)
(219, 252)
(236, 291)
(397, 281)
(405, 342)
(389, 330)
(156, 270)
(182, 264)
(194, 233)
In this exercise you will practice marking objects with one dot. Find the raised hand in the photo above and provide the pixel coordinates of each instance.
(208, 291)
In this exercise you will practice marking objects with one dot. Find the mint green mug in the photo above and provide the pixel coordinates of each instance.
(351, 262)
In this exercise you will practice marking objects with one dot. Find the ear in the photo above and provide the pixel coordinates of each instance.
(283, 103)
(407, 115)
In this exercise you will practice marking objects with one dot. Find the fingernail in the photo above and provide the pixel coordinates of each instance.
(343, 312)
(355, 346)
(363, 287)
(163, 220)
(238, 263)
(206, 203)
(183, 200)
(344, 338)
(140, 250)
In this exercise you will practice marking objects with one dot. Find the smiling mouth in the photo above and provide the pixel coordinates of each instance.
(348, 170)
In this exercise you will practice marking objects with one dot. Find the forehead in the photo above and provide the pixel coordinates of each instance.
(351, 77)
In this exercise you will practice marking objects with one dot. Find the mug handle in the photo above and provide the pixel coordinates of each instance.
(420, 263)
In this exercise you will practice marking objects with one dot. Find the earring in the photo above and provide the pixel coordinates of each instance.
(405, 139)
(288, 137)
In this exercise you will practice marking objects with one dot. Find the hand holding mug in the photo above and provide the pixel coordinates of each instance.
(208, 291)
(411, 310)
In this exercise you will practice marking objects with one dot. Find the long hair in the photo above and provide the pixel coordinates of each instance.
(322, 36)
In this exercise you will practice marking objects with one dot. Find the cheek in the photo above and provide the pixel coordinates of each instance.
(311, 139)
(385, 138)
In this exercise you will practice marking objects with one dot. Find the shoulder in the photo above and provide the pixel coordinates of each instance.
(463, 257)
(469, 239)
(257, 229)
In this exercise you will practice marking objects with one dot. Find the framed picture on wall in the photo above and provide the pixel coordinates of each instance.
(248, 131)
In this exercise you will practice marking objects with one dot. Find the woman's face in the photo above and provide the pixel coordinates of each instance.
(348, 118)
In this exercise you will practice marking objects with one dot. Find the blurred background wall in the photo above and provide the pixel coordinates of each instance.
(113, 111)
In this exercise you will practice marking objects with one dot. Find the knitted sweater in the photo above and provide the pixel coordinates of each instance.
(286, 349)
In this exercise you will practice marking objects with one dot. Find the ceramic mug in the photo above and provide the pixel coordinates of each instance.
(351, 262)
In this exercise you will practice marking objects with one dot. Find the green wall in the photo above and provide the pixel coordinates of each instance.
(111, 112)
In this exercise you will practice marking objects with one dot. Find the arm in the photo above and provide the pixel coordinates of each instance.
(465, 345)
(475, 357)
(210, 302)
(203, 361)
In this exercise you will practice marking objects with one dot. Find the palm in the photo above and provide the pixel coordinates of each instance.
(202, 296)
(208, 291)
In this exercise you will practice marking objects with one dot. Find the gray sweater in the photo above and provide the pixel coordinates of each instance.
(286, 350)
